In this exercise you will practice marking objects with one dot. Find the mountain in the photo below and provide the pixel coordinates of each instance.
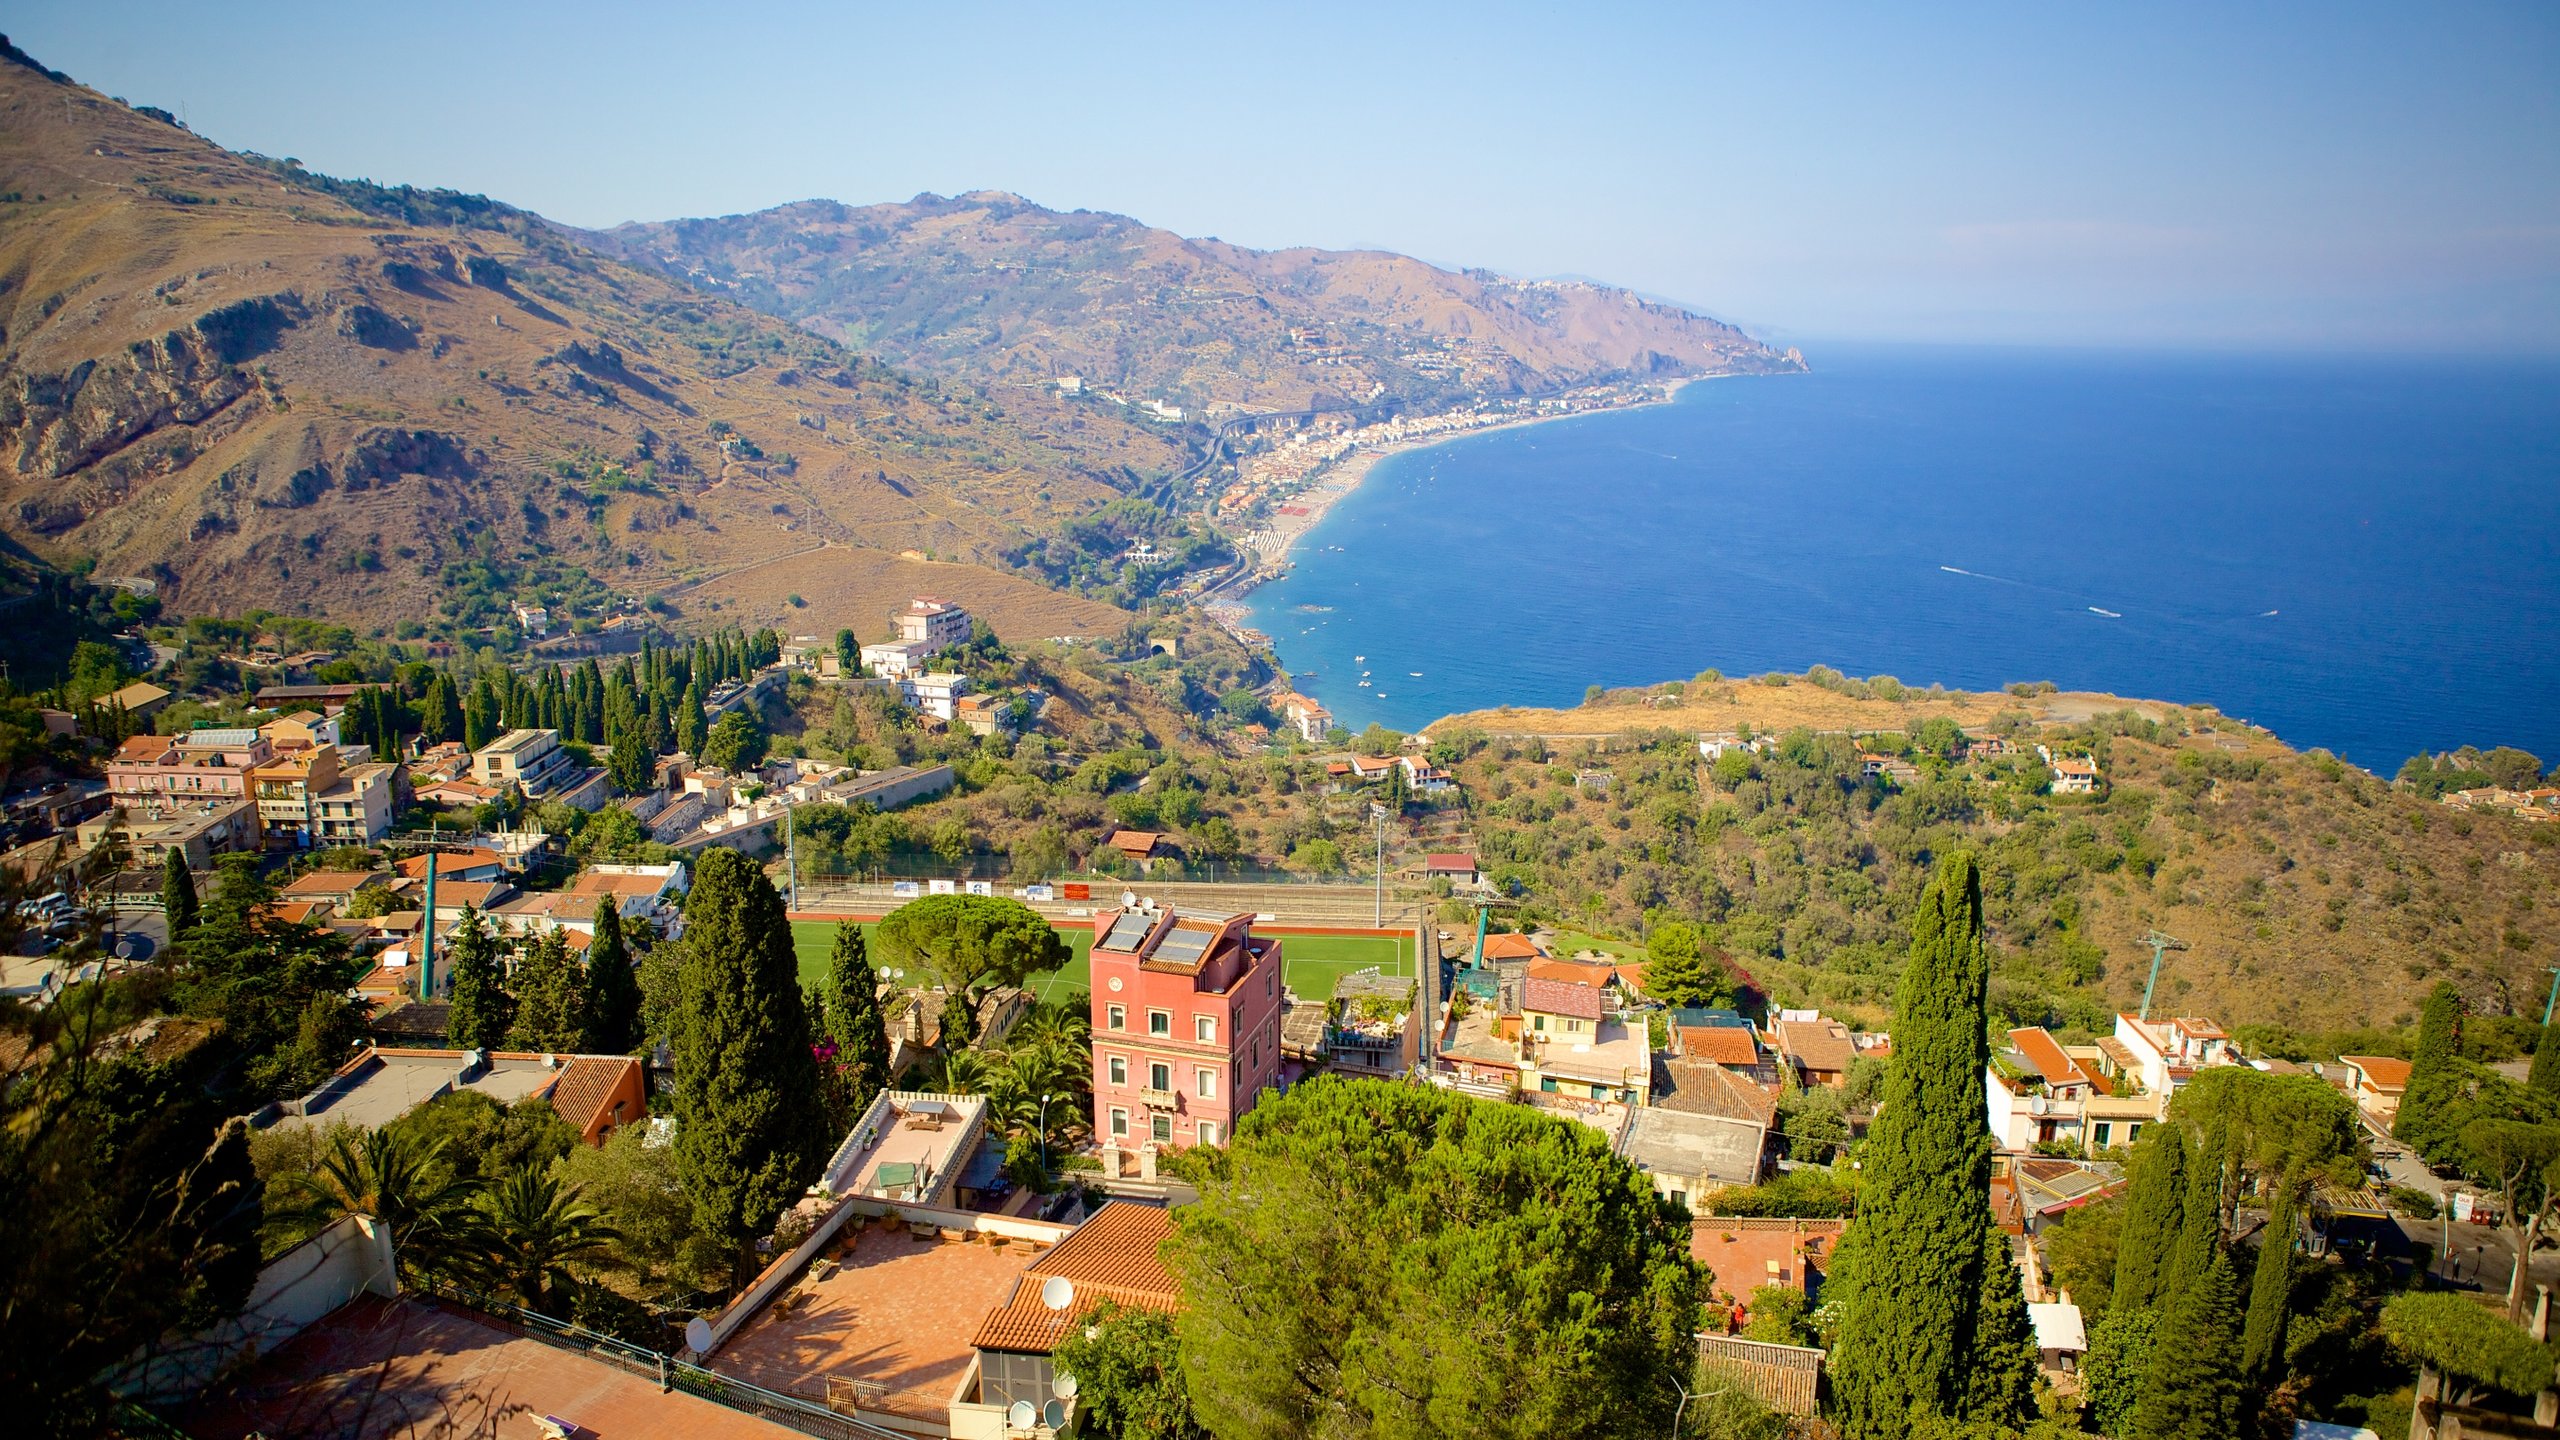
(991, 288)
(260, 386)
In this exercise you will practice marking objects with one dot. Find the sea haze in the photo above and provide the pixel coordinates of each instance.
(2361, 554)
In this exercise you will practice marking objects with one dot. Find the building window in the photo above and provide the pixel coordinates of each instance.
(1119, 1070)
(1120, 1124)
(1537, 1022)
(1159, 1076)
(2132, 1132)
(1548, 1084)
(2099, 1133)
(1204, 1028)
(1208, 1132)
(1160, 1022)
(1162, 1130)
(1116, 1018)
(1208, 1083)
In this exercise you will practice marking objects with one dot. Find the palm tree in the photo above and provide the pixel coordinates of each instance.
(529, 1227)
(963, 1073)
(1067, 1019)
(386, 1175)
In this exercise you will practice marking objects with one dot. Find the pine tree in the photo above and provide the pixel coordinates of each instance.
(2271, 1284)
(2001, 1381)
(177, 891)
(750, 1120)
(548, 995)
(2427, 1121)
(1676, 970)
(2544, 1078)
(2154, 1212)
(691, 729)
(2193, 1386)
(482, 1010)
(612, 1009)
(854, 1021)
(1923, 1301)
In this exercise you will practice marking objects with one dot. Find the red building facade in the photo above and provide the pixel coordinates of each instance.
(1186, 1026)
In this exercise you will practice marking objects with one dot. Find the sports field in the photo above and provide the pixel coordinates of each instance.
(1313, 960)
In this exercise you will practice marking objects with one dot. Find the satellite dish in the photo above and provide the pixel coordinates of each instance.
(697, 1335)
(1064, 1387)
(1022, 1415)
(1057, 1292)
(1054, 1414)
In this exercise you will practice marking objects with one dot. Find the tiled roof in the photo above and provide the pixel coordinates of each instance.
(1135, 842)
(1817, 1044)
(1554, 997)
(1511, 947)
(1569, 972)
(1449, 862)
(415, 867)
(1720, 1044)
(2042, 1051)
(585, 1084)
(599, 882)
(1112, 1256)
(2382, 1071)
(451, 894)
(1701, 1088)
(145, 747)
(1785, 1378)
(333, 882)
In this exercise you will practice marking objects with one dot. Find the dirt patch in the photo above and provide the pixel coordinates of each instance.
(849, 586)
(1733, 704)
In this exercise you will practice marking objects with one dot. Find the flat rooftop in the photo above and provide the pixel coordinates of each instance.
(903, 1148)
(374, 1369)
(891, 1327)
(398, 1084)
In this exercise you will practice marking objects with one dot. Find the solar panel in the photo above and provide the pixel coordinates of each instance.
(1127, 931)
(1182, 947)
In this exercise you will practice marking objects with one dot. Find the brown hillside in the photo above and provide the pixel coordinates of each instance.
(993, 288)
(842, 587)
(262, 387)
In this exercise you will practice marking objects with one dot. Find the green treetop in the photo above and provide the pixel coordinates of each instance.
(1351, 1248)
(483, 1011)
(2193, 1387)
(610, 1012)
(1928, 1328)
(177, 891)
(2544, 1078)
(972, 944)
(749, 1111)
(548, 993)
(1677, 970)
(2271, 1285)
(2427, 1121)
(853, 1018)
(1129, 1379)
(2200, 1219)
(2155, 1209)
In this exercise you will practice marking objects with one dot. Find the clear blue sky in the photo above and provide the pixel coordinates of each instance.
(2337, 175)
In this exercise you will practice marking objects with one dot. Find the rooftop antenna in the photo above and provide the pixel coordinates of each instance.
(2160, 942)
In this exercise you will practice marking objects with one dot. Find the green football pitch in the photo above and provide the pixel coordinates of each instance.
(1314, 961)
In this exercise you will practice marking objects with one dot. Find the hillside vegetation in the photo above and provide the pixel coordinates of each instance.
(992, 288)
(261, 386)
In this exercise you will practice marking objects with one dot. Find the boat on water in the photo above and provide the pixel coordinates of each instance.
(1359, 659)
(1416, 674)
(1364, 684)
(2110, 614)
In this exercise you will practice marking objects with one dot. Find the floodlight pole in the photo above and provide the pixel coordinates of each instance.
(2159, 943)
(2554, 998)
(1378, 814)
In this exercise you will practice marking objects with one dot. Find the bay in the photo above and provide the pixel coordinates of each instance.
(2358, 553)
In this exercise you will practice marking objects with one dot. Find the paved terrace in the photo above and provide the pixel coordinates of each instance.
(374, 1095)
(888, 1330)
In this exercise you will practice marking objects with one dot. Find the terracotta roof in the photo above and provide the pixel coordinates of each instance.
(1816, 1044)
(1720, 1044)
(598, 882)
(1511, 947)
(1450, 863)
(1134, 842)
(2381, 1071)
(333, 882)
(2043, 1052)
(1698, 1087)
(1569, 972)
(291, 912)
(145, 747)
(1113, 1256)
(451, 894)
(585, 1084)
(1785, 1378)
(1555, 997)
(415, 867)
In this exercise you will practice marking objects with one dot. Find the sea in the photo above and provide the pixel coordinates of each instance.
(2361, 554)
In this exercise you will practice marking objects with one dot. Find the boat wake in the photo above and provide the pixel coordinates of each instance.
(2110, 614)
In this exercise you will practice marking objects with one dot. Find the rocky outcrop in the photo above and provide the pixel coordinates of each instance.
(382, 455)
(52, 425)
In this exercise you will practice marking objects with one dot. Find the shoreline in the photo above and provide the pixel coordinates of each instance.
(1334, 482)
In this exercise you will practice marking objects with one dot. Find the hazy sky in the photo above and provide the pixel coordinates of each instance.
(2267, 175)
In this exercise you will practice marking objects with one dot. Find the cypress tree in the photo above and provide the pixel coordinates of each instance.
(2271, 1284)
(482, 1010)
(177, 891)
(854, 1021)
(2200, 1219)
(1919, 1268)
(2154, 1211)
(2426, 1121)
(547, 994)
(612, 1009)
(2193, 1387)
(2544, 1078)
(691, 729)
(2001, 1382)
(750, 1114)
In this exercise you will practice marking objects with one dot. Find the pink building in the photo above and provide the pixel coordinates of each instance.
(1186, 1026)
(203, 764)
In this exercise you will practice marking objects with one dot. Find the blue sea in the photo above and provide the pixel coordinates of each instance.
(2361, 554)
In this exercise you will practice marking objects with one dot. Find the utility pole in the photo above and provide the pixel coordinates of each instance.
(2159, 941)
(1378, 814)
(790, 857)
(427, 925)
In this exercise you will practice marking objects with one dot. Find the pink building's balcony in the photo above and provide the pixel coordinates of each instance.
(1159, 1099)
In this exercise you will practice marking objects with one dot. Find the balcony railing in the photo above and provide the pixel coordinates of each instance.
(1159, 1099)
